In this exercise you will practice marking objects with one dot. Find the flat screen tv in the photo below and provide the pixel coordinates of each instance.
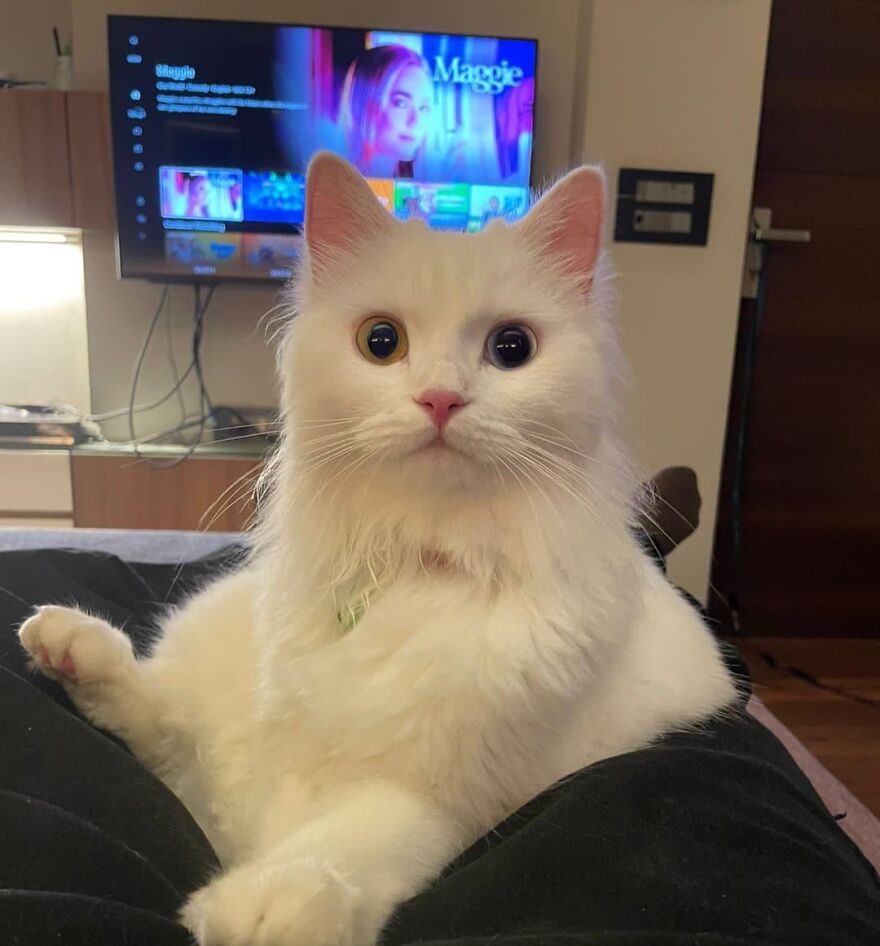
(214, 123)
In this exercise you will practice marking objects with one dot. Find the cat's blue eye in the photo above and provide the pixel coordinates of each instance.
(510, 346)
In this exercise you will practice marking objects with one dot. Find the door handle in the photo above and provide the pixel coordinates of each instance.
(777, 235)
(763, 232)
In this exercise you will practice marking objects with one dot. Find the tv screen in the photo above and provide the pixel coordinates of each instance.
(214, 123)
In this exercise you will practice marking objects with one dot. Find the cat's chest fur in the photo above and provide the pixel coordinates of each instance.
(436, 673)
(475, 695)
(452, 687)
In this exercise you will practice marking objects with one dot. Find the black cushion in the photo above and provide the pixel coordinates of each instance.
(710, 837)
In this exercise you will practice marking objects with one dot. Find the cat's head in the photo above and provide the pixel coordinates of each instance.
(447, 361)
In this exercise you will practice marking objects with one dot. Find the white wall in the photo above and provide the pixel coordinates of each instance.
(239, 365)
(27, 49)
(676, 84)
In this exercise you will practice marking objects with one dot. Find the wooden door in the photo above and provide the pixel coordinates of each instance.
(797, 548)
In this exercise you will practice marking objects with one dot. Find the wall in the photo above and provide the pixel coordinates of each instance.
(651, 83)
(239, 364)
(27, 49)
(43, 345)
(676, 84)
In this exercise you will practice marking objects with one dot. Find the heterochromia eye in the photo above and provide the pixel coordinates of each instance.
(382, 340)
(510, 346)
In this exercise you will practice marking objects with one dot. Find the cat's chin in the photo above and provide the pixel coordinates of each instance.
(438, 465)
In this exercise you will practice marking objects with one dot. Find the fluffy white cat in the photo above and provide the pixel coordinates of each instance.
(445, 610)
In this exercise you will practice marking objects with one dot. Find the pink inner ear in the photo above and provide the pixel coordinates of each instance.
(328, 219)
(566, 224)
(342, 212)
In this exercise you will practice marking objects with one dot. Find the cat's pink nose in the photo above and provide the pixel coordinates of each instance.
(441, 405)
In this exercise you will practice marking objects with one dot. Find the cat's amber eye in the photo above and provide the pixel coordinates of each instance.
(382, 340)
(511, 346)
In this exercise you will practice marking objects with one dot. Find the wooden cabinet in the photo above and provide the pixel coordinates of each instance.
(34, 161)
(115, 490)
(91, 160)
(56, 168)
(201, 493)
(35, 489)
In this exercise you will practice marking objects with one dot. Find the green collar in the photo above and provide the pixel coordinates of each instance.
(349, 615)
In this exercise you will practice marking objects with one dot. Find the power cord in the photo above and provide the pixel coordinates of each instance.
(139, 361)
(172, 361)
(178, 378)
(200, 308)
(814, 681)
(206, 407)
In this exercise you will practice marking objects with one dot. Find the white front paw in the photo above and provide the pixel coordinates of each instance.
(74, 647)
(302, 903)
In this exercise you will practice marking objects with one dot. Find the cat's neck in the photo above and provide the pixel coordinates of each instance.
(367, 533)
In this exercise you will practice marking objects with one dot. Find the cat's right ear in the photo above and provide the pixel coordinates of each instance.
(342, 213)
(565, 226)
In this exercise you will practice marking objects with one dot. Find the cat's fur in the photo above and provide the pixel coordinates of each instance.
(513, 633)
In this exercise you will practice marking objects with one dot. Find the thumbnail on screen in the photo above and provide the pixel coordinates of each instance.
(201, 193)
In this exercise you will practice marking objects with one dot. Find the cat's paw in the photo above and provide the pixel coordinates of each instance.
(73, 647)
(301, 903)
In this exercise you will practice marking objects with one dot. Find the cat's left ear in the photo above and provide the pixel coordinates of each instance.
(565, 226)
(342, 212)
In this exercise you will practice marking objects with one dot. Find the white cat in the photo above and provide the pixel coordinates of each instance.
(445, 611)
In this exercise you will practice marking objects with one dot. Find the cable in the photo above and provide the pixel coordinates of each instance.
(179, 381)
(814, 681)
(172, 360)
(140, 361)
(206, 408)
(200, 310)
(142, 408)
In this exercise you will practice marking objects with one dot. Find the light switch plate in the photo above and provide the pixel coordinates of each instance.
(663, 207)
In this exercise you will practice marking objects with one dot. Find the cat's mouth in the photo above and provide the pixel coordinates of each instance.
(438, 444)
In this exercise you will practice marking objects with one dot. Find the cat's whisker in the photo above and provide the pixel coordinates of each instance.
(513, 472)
(573, 477)
(532, 478)
(570, 489)
(243, 490)
(322, 450)
(638, 509)
(638, 485)
(239, 499)
(327, 421)
(352, 469)
(358, 460)
(274, 427)
(338, 436)
(307, 473)
(223, 440)
(561, 461)
(581, 477)
(235, 485)
(274, 318)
